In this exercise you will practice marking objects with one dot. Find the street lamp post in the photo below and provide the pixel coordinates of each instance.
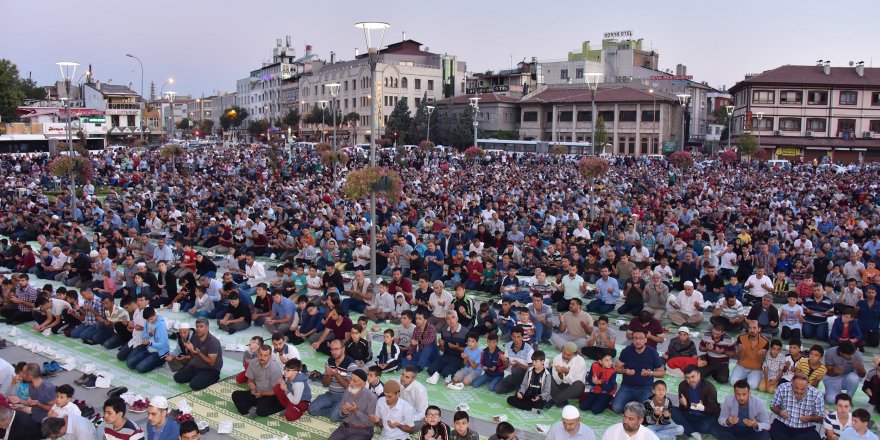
(142, 90)
(683, 99)
(593, 82)
(170, 123)
(653, 148)
(334, 91)
(475, 104)
(759, 115)
(68, 68)
(373, 51)
(729, 109)
(430, 109)
(323, 104)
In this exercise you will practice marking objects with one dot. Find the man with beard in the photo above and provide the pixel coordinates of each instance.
(570, 428)
(259, 399)
(357, 405)
(631, 427)
(743, 416)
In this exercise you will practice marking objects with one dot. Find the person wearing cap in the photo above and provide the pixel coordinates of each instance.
(159, 425)
(570, 427)
(360, 256)
(177, 358)
(631, 427)
(357, 405)
(687, 307)
(569, 375)
(681, 352)
(394, 416)
(259, 399)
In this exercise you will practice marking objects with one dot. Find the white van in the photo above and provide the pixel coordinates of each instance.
(782, 164)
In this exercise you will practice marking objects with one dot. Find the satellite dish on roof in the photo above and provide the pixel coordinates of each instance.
(851, 63)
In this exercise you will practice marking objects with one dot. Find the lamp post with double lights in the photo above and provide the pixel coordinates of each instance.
(593, 83)
(475, 104)
(68, 69)
(729, 109)
(334, 91)
(430, 109)
(170, 114)
(759, 115)
(372, 29)
(683, 99)
(322, 104)
(143, 126)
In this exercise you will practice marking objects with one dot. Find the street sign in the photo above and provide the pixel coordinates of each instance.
(681, 83)
(670, 146)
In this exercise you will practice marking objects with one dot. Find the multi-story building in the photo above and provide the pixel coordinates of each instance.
(806, 112)
(122, 106)
(260, 92)
(497, 112)
(405, 71)
(638, 120)
(515, 82)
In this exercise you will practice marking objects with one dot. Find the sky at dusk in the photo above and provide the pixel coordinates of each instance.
(207, 45)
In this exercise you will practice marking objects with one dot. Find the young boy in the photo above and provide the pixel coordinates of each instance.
(404, 333)
(534, 392)
(774, 367)
(525, 321)
(308, 325)
(203, 306)
(248, 357)
(381, 306)
(506, 318)
(433, 428)
(357, 348)
(794, 355)
(374, 382)
(64, 406)
(791, 316)
(366, 334)
(472, 355)
(735, 288)
(293, 391)
(861, 418)
(658, 413)
(486, 321)
(388, 358)
(400, 306)
(603, 383)
(461, 429)
(490, 361)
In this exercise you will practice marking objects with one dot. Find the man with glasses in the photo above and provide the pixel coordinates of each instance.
(639, 365)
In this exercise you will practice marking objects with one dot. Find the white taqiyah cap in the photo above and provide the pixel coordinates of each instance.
(570, 412)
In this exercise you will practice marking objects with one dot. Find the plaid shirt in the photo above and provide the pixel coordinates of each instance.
(810, 405)
(28, 294)
(97, 307)
(424, 337)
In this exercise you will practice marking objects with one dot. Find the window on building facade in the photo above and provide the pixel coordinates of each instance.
(530, 116)
(626, 116)
(621, 145)
(650, 115)
(607, 116)
(846, 125)
(790, 97)
(585, 116)
(645, 145)
(418, 84)
(763, 97)
(849, 97)
(875, 98)
(565, 116)
(430, 84)
(763, 124)
(579, 73)
(816, 124)
(418, 101)
(874, 125)
(817, 97)
(788, 124)
(404, 83)
(563, 74)
(549, 116)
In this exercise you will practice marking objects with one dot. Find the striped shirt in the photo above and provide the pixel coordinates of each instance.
(811, 405)
(832, 422)
(813, 374)
(129, 431)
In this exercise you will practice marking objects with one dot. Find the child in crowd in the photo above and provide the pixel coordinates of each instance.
(774, 367)
(490, 362)
(22, 388)
(461, 427)
(249, 355)
(791, 360)
(471, 370)
(400, 306)
(203, 305)
(64, 406)
(308, 325)
(381, 306)
(871, 386)
(735, 288)
(433, 428)
(374, 382)
(658, 413)
(812, 365)
(534, 392)
(603, 384)
(357, 348)
(388, 358)
(486, 321)
(404, 333)
(262, 307)
(506, 318)
(366, 333)
(846, 328)
(463, 305)
(791, 316)
(293, 391)
(525, 321)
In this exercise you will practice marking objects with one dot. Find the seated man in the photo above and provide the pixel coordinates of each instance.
(766, 314)
(687, 307)
(751, 349)
(259, 399)
(452, 343)
(698, 408)
(204, 358)
(743, 416)
(799, 409)
(846, 370)
(358, 403)
(639, 364)
(729, 313)
(575, 326)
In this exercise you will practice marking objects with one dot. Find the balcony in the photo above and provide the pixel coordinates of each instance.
(123, 109)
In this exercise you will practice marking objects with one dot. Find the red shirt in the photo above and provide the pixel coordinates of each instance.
(405, 286)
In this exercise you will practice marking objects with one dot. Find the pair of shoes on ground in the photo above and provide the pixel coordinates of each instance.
(435, 378)
(51, 368)
(87, 381)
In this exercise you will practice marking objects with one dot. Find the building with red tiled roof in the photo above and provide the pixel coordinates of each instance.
(807, 112)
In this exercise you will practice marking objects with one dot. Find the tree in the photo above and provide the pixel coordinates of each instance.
(233, 117)
(183, 124)
(399, 121)
(506, 134)
(746, 145)
(464, 129)
(447, 123)
(291, 119)
(258, 127)
(173, 151)
(720, 117)
(31, 90)
(206, 126)
(418, 128)
(11, 94)
(601, 136)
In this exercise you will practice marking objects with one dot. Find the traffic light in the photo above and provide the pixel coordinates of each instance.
(198, 133)
(395, 134)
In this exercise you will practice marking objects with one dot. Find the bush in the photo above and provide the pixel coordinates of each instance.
(592, 167)
(361, 182)
(79, 167)
(682, 159)
(473, 152)
(426, 145)
(329, 158)
(322, 147)
(728, 156)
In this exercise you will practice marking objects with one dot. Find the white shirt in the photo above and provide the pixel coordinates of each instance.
(688, 303)
(58, 306)
(401, 413)
(417, 396)
(256, 273)
(68, 409)
(558, 432)
(434, 301)
(78, 428)
(616, 432)
(577, 369)
(760, 287)
(665, 272)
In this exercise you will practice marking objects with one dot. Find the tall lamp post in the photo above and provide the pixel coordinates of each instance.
(323, 104)
(729, 109)
(68, 69)
(378, 30)
(593, 82)
(430, 109)
(334, 91)
(171, 114)
(759, 115)
(142, 90)
(475, 104)
(683, 99)
(653, 148)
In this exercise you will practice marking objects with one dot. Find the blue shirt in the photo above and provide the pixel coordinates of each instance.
(475, 356)
(170, 430)
(159, 338)
(602, 287)
(284, 309)
(850, 434)
(869, 317)
(437, 263)
(648, 359)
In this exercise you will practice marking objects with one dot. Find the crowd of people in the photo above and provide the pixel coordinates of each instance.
(489, 268)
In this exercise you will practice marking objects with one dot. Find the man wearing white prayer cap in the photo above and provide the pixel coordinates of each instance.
(570, 428)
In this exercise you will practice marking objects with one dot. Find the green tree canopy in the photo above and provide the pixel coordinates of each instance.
(291, 119)
(399, 121)
(233, 117)
(601, 136)
(11, 93)
(258, 127)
